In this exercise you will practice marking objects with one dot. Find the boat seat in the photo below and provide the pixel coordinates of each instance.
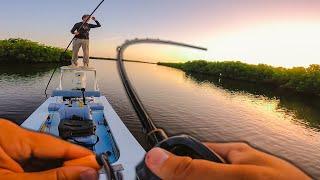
(54, 106)
(68, 112)
(96, 106)
(75, 93)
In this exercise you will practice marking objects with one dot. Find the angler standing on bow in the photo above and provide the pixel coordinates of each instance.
(81, 31)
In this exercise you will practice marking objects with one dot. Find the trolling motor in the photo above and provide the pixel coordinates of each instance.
(182, 145)
(83, 90)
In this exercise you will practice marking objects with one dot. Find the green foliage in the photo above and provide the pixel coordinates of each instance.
(299, 79)
(26, 51)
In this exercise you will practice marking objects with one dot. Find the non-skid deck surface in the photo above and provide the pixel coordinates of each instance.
(105, 143)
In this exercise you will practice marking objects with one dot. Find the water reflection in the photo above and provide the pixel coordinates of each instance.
(304, 108)
(22, 87)
(25, 70)
(181, 104)
(192, 104)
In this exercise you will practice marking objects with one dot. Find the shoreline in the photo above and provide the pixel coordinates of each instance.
(299, 80)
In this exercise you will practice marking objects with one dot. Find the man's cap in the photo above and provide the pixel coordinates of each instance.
(84, 16)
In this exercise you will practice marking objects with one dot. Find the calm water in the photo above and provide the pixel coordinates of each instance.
(209, 109)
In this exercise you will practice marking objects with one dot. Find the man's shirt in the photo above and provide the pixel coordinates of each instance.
(84, 30)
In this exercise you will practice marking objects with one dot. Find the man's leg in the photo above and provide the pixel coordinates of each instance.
(85, 48)
(75, 50)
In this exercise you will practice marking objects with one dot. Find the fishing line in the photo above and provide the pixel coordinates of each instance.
(62, 54)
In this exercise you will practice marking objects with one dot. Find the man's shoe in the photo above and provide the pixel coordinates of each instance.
(73, 65)
(86, 65)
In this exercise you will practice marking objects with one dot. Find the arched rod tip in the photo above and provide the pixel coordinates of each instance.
(158, 41)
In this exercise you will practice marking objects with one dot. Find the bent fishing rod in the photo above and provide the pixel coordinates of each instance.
(154, 134)
(181, 145)
(66, 49)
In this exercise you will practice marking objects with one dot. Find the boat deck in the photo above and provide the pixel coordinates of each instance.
(105, 142)
(130, 152)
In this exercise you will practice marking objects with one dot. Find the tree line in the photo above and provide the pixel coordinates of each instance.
(298, 79)
(26, 51)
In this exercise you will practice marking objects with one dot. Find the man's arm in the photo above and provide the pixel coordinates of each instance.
(95, 25)
(75, 27)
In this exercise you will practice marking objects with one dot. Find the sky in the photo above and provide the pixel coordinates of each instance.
(276, 32)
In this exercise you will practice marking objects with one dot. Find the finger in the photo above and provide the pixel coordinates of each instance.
(229, 151)
(7, 163)
(34, 144)
(63, 173)
(47, 146)
(88, 161)
(241, 153)
(168, 166)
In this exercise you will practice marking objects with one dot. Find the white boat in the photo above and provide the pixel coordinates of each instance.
(109, 134)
